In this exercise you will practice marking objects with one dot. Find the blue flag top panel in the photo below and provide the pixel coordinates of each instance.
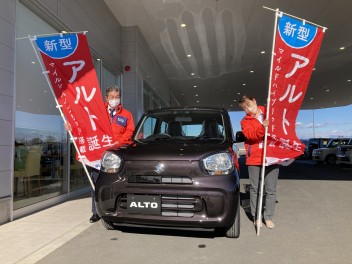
(294, 33)
(58, 46)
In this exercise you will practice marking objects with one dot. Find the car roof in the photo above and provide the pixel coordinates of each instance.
(165, 109)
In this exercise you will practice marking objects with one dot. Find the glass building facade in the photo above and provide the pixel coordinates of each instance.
(38, 166)
(45, 164)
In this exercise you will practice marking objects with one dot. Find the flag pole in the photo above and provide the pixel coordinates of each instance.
(53, 34)
(81, 157)
(305, 21)
(261, 192)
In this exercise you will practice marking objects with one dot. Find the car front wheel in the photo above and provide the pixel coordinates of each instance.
(232, 231)
(109, 225)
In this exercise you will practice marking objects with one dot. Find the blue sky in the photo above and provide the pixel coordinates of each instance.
(329, 122)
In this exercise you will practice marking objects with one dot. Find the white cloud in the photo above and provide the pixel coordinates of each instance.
(299, 124)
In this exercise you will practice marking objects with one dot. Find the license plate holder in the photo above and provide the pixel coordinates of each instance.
(144, 204)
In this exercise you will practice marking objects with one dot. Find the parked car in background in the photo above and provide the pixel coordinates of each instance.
(180, 171)
(328, 153)
(305, 152)
(344, 154)
(315, 143)
(241, 151)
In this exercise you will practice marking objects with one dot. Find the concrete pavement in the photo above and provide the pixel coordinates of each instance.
(312, 220)
(312, 226)
(29, 239)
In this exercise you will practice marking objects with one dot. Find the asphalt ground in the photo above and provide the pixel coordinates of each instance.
(313, 217)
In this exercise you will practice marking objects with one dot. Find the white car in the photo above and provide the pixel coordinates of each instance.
(344, 154)
(241, 151)
(328, 154)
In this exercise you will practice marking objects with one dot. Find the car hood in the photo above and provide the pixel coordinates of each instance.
(171, 150)
(320, 149)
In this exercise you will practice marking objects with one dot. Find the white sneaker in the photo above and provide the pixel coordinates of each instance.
(269, 224)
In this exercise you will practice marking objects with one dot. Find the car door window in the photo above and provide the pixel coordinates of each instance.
(148, 128)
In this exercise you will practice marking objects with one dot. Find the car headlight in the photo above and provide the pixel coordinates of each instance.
(110, 162)
(317, 152)
(218, 164)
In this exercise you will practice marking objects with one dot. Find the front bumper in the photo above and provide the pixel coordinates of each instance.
(344, 159)
(317, 157)
(201, 201)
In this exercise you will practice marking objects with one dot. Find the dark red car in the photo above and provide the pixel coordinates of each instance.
(180, 171)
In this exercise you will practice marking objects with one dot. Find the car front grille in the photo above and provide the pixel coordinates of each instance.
(173, 205)
(159, 179)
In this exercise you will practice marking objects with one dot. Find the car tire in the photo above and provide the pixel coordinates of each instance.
(109, 225)
(234, 230)
(330, 159)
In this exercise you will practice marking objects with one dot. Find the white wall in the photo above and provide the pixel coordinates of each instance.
(7, 60)
(85, 15)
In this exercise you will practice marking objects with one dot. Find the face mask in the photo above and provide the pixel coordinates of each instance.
(114, 102)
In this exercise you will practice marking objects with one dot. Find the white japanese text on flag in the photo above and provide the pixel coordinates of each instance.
(296, 48)
(75, 85)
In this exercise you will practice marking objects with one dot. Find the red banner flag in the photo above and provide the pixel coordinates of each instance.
(296, 48)
(75, 84)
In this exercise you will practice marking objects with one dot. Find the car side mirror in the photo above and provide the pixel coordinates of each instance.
(240, 137)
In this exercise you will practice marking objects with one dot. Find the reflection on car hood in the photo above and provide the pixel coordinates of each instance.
(171, 150)
(321, 149)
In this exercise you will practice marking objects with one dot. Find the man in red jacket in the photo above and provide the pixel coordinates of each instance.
(122, 126)
(253, 127)
(121, 120)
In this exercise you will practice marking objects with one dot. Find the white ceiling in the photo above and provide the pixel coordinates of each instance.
(225, 38)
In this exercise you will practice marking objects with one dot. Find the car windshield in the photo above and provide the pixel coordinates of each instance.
(337, 142)
(183, 124)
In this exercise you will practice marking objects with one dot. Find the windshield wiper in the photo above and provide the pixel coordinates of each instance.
(157, 137)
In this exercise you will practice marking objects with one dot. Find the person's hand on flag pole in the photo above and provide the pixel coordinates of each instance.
(67, 126)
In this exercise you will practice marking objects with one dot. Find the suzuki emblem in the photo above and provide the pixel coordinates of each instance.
(159, 168)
